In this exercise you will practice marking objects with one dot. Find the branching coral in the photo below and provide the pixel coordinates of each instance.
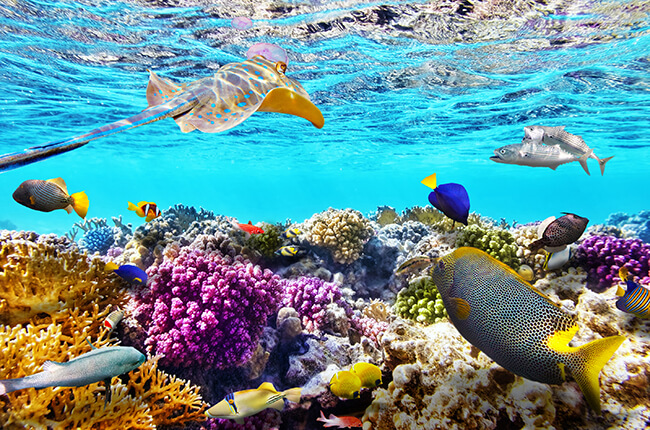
(48, 274)
(343, 232)
(204, 308)
(602, 256)
(149, 397)
(421, 302)
(497, 242)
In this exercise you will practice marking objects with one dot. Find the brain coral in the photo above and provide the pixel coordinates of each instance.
(497, 242)
(46, 273)
(343, 232)
(206, 309)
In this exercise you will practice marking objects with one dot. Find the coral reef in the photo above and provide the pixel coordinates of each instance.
(420, 302)
(204, 308)
(386, 215)
(497, 242)
(524, 235)
(602, 256)
(148, 398)
(310, 297)
(342, 232)
(637, 225)
(46, 274)
(268, 242)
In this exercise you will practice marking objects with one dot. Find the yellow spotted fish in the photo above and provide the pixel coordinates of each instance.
(516, 325)
(345, 384)
(241, 404)
(213, 104)
(369, 374)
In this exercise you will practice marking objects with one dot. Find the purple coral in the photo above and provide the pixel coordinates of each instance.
(602, 256)
(310, 297)
(206, 309)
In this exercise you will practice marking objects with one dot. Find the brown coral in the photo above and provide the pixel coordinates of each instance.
(45, 274)
(149, 398)
(343, 232)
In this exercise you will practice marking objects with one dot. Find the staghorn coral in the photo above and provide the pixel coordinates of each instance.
(603, 256)
(204, 308)
(48, 274)
(148, 398)
(420, 302)
(342, 232)
(497, 242)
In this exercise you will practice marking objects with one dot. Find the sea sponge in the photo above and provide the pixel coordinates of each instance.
(497, 242)
(149, 397)
(421, 302)
(342, 232)
(47, 274)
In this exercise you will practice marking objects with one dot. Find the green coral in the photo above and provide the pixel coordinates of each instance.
(432, 217)
(387, 215)
(497, 242)
(421, 302)
(268, 242)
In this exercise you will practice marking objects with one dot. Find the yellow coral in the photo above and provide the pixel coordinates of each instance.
(377, 310)
(343, 232)
(149, 398)
(44, 275)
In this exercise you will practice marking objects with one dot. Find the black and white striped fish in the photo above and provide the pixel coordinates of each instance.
(46, 196)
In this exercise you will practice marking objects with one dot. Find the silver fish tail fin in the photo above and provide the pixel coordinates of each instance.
(583, 161)
(33, 154)
(9, 385)
(601, 163)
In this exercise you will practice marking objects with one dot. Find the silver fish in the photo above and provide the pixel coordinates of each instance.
(571, 143)
(100, 364)
(535, 155)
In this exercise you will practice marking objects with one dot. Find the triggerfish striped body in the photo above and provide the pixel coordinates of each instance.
(129, 272)
(450, 199)
(146, 210)
(241, 404)
(46, 196)
(635, 299)
(516, 325)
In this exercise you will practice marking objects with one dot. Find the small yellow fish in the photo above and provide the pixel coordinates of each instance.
(241, 404)
(345, 384)
(291, 251)
(146, 210)
(414, 264)
(369, 374)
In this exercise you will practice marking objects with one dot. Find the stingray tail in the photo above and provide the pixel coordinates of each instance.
(601, 163)
(172, 108)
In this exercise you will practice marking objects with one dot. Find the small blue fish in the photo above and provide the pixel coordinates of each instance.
(634, 300)
(450, 199)
(129, 273)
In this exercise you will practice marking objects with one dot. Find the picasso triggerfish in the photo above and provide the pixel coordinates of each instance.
(450, 199)
(516, 325)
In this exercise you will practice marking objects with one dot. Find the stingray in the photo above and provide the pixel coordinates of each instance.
(211, 105)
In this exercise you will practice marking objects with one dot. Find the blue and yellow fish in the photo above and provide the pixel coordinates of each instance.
(291, 251)
(291, 232)
(450, 199)
(345, 384)
(146, 210)
(635, 299)
(128, 272)
(516, 325)
(49, 195)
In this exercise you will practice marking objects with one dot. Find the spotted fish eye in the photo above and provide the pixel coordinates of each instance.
(281, 67)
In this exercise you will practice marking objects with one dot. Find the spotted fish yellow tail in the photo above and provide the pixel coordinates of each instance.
(591, 358)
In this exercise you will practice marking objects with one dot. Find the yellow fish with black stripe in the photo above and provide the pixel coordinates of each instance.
(516, 325)
(241, 404)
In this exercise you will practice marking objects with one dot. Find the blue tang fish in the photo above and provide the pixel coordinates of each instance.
(516, 325)
(450, 199)
(129, 273)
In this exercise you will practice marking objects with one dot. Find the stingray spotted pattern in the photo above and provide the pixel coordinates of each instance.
(516, 325)
(213, 104)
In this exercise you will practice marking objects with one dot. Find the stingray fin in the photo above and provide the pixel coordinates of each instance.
(283, 100)
(161, 90)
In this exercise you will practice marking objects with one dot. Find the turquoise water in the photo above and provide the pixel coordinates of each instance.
(406, 89)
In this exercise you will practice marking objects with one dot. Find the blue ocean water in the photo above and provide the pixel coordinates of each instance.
(406, 88)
